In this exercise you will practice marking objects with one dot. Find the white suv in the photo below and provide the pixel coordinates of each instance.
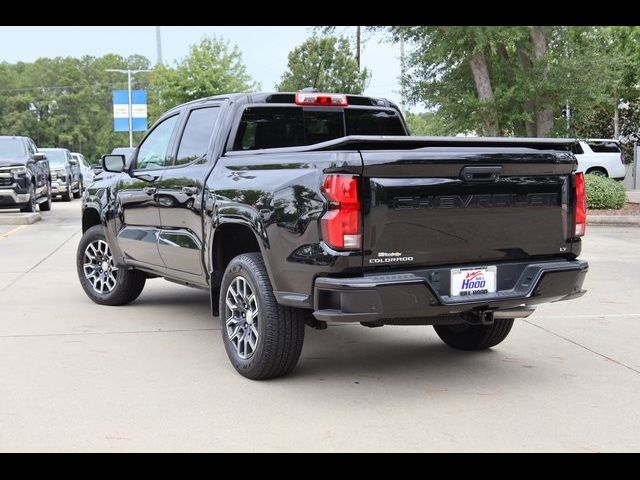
(601, 157)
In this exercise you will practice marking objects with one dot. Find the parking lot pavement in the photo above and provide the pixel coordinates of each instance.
(154, 375)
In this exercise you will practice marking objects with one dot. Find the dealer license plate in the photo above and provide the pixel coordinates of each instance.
(466, 282)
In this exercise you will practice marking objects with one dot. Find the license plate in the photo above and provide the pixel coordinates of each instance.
(467, 282)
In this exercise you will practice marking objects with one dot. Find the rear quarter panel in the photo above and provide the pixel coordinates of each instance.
(278, 196)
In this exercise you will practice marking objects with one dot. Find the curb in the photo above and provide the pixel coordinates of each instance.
(619, 220)
(19, 218)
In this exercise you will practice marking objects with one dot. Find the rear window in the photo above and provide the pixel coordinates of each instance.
(274, 127)
(604, 147)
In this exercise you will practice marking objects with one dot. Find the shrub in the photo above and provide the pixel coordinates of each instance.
(604, 192)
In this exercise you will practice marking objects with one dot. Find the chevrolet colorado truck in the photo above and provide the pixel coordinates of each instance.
(302, 209)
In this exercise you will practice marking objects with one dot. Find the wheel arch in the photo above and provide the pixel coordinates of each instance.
(230, 239)
(90, 218)
(598, 168)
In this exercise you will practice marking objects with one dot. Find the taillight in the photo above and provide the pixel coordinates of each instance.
(341, 225)
(321, 99)
(581, 205)
(622, 157)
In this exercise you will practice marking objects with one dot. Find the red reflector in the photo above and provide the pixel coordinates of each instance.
(581, 205)
(341, 226)
(322, 99)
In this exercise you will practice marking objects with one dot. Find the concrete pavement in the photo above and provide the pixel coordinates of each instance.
(153, 376)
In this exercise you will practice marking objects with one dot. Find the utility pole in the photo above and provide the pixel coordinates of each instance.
(129, 73)
(358, 46)
(158, 46)
(402, 73)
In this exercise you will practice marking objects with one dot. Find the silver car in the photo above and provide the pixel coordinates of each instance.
(86, 172)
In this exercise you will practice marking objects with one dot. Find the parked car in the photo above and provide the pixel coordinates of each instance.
(86, 172)
(601, 157)
(297, 209)
(24, 175)
(65, 173)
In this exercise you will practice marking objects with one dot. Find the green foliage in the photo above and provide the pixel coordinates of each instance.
(622, 44)
(604, 192)
(428, 124)
(578, 67)
(66, 102)
(325, 63)
(212, 67)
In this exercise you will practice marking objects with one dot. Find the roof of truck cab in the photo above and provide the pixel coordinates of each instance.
(262, 97)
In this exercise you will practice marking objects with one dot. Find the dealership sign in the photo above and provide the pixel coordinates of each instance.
(121, 110)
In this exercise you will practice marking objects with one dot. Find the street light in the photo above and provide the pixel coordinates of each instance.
(129, 73)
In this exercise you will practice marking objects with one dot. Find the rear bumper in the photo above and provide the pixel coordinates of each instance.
(425, 293)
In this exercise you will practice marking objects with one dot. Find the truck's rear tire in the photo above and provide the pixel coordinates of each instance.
(102, 281)
(262, 338)
(474, 337)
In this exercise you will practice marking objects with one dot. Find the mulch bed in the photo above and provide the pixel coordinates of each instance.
(628, 209)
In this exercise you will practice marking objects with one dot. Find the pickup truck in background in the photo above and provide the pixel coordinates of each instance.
(297, 209)
(25, 178)
(602, 157)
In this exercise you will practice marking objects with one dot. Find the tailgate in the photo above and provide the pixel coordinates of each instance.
(465, 205)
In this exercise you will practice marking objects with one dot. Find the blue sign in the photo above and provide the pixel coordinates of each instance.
(121, 110)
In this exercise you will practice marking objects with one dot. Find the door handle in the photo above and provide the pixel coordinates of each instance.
(149, 190)
(481, 173)
(190, 191)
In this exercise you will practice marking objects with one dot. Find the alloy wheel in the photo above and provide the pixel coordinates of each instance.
(99, 267)
(241, 313)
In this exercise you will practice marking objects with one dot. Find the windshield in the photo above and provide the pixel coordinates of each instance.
(11, 148)
(56, 158)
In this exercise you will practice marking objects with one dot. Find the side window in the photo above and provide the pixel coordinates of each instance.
(195, 139)
(153, 150)
(30, 148)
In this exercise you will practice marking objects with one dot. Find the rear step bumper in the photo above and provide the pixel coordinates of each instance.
(425, 293)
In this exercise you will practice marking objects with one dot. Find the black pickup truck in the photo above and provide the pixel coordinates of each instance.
(25, 177)
(298, 209)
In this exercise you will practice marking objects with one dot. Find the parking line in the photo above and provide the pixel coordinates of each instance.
(11, 232)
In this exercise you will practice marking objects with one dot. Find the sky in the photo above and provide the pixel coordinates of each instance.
(264, 49)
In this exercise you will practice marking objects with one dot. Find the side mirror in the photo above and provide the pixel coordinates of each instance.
(73, 161)
(113, 163)
(39, 156)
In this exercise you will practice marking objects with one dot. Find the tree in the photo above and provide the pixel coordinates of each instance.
(66, 102)
(505, 80)
(212, 67)
(325, 63)
(428, 123)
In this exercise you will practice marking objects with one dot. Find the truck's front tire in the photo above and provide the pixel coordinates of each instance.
(262, 338)
(474, 337)
(101, 279)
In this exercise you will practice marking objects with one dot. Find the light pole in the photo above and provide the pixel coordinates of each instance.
(129, 73)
